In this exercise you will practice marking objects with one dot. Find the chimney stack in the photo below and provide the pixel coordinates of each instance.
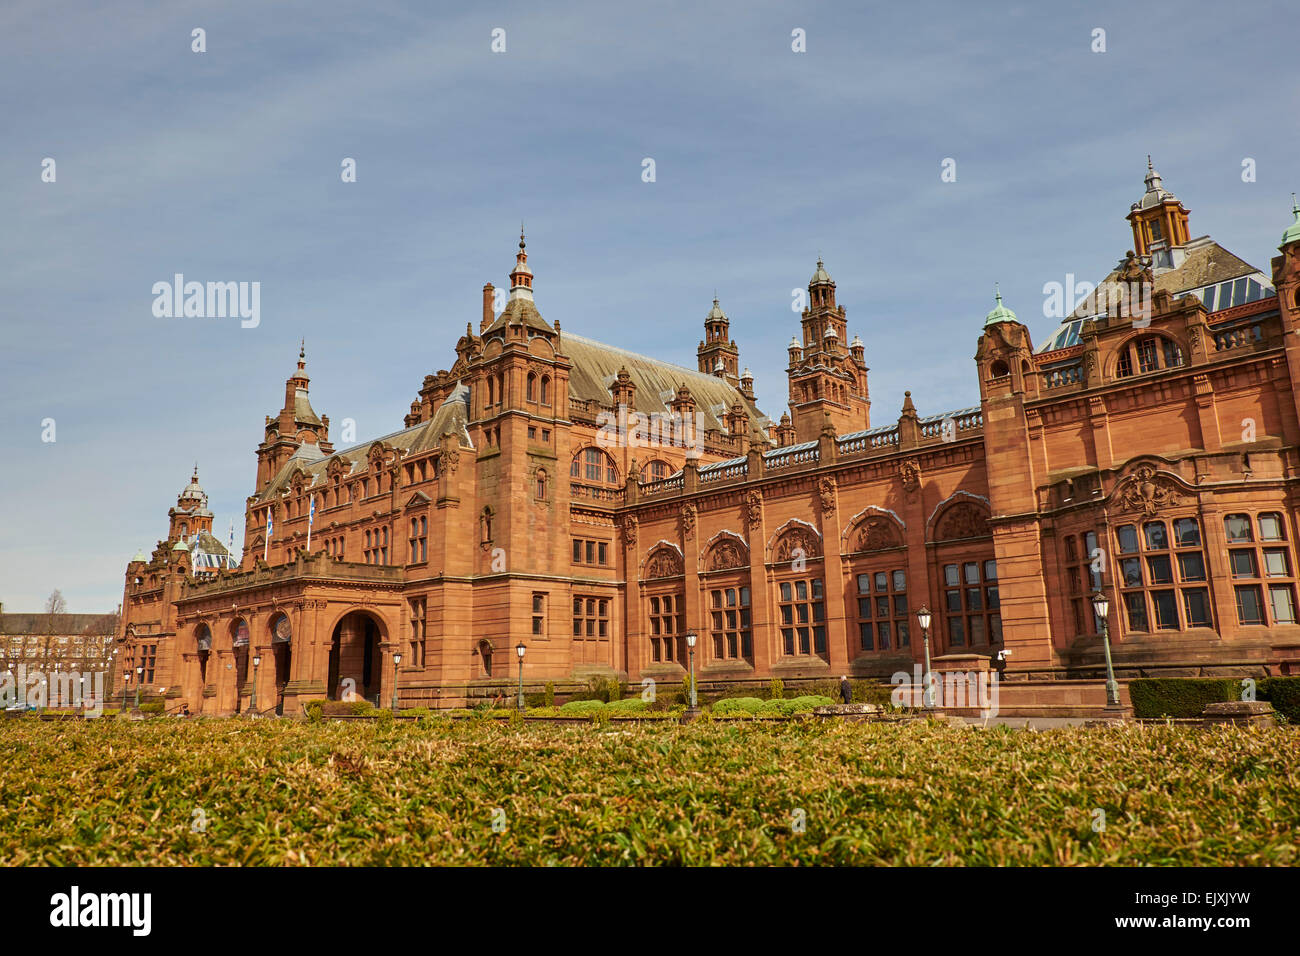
(488, 293)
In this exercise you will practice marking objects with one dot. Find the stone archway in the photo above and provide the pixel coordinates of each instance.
(355, 662)
(281, 656)
(240, 641)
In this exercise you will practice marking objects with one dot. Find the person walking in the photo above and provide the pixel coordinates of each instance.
(846, 690)
(1000, 662)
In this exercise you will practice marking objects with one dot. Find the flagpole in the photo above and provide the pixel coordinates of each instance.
(266, 550)
(311, 516)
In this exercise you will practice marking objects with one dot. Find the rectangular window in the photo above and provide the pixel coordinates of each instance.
(1250, 605)
(882, 618)
(1237, 528)
(732, 638)
(1191, 566)
(801, 604)
(1282, 600)
(1276, 563)
(1136, 605)
(1270, 527)
(1242, 563)
(602, 553)
(1196, 605)
(665, 627)
(1166, 610)
(539, 614)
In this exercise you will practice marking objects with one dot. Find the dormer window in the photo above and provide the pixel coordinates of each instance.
(1151, 353)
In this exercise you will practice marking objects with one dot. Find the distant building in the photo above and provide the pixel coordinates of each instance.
(45, 642)
(597, 506)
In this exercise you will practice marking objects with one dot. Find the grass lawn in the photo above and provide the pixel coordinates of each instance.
(359, 793)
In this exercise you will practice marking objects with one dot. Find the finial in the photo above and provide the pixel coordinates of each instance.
(997, 293)
(521, 233)
(302, 348)
(1295, 207)
(1150, 168)
(196, 471)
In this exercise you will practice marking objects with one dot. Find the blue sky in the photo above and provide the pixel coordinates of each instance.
(225, 165)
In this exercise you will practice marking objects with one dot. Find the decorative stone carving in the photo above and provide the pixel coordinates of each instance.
(451, 458)
(909, 472)
(877, 533)
(753, 509)
(688, 520)
(798, 542)
(1147, 492)
(826, 494)
(629, 525)
(663, 563)
(964, 520)
(725, 554)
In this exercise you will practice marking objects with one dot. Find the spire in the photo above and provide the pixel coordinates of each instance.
(1292, 234)
(1000, 312)
(521, 280)
(1155, 193)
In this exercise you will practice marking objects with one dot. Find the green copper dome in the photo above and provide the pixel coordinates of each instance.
(1000, 312)
(1292, 234)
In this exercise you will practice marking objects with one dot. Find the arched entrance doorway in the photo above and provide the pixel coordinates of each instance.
(239, 643)
(281, 657)
(355, 660)
(203, 645)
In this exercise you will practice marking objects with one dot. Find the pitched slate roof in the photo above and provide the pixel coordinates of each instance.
(450, 418)
(596, 366)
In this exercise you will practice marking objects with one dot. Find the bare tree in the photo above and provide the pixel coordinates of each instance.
(55, 609)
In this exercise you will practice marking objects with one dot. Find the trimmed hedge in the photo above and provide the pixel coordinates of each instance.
(740, 705)
(1180, 696)
(1284, 694)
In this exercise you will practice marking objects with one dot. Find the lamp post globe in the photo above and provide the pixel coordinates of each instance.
(1101, 606)
(690, 649)
(252, 701)
(139, 675)
(397, 661)
(519, 651)
(923, 618)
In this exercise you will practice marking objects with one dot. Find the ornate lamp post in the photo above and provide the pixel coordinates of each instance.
(139, 676)
(519, 650)
(397, 660)
(690, 652)
(252, 701)
(923, 618)
(126, 679)
(1101, 606)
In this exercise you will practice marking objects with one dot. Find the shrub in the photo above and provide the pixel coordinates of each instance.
(416, 712)
(153, 707)
(548, 695)
(346, 708)
(1180, 696)
(738, 705)
(386, 718)
(542, 712)
(315, 711)
(631, 705)
(773, 708)
(1284, 694)
(775, 689)
(805, 704)
(581, 708)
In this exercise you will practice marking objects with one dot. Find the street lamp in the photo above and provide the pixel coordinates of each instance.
(397, 660)
(1102, 608)
(126, 679)
(519, 650)
(690, 651)
(923, 618)
(139, 676)
(252, 700)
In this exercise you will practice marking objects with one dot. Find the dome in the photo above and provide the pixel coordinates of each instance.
(821, 275)
(139, 556)
(180, 546)
(716, 312)
(1292, 234)
(1000, 313)
(794, 343)
(194, 491)
(1156, 192)
(830, 333)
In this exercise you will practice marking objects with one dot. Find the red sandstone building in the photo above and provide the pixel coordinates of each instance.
(597, 505)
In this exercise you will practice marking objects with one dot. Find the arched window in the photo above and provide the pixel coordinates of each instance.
(1149, 353)
(546, 390)
(592, 464)
(656, 470)
(541, 484)
(532, 387)
(485, 525)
